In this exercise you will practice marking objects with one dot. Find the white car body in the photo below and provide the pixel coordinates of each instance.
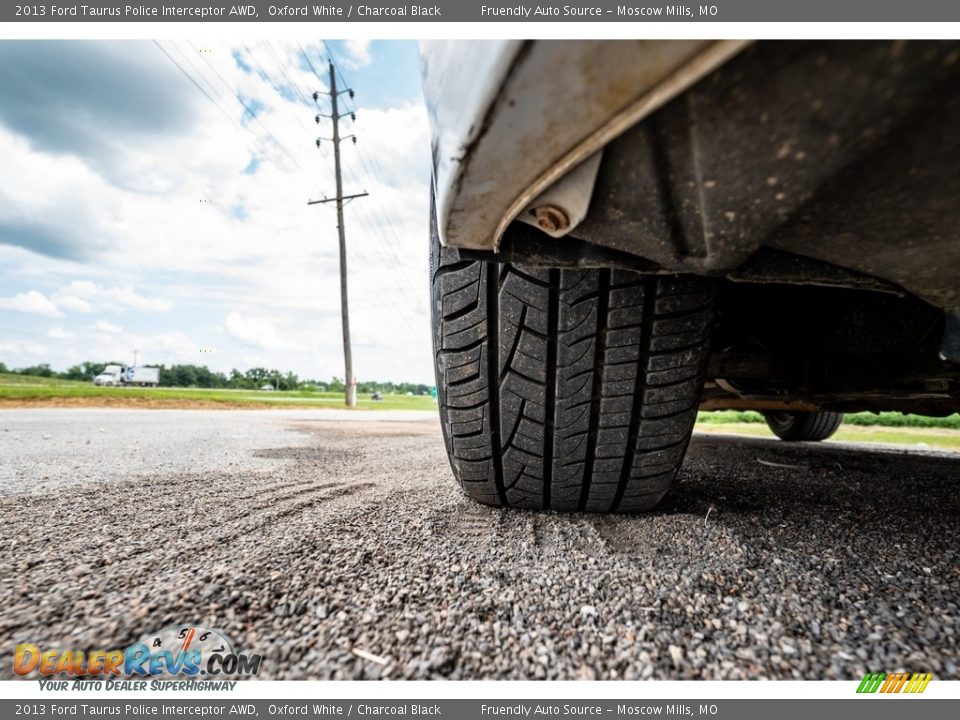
(512, 119)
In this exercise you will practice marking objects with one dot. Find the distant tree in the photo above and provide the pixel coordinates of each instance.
(238, 380)
(168, 377)
(257, 376)
(289, 382)
(74, 373)
(92, 369)
(207, 378)
(186, 375)
(37, 371)
(191, 376)
(201, 376)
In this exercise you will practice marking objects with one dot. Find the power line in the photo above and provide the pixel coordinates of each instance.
(233, 96)
(303, 53)
(194, 82)
(377, 227)
(390, 223)
(384, 210)
(269, 45)
(253, 114)
(261, 148)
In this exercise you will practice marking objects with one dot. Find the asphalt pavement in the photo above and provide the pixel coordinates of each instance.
(337, 545)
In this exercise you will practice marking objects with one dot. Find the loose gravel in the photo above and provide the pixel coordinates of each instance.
(338, 546)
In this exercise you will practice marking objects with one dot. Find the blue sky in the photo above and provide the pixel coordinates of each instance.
(153, 198)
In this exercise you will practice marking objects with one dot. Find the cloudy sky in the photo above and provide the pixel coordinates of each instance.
(153, 197)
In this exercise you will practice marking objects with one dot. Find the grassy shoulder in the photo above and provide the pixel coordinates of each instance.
(884, 419)
(941, 438)
(16, 380)
(28, 391)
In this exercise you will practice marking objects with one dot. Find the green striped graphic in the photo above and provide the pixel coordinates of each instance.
(871, 682)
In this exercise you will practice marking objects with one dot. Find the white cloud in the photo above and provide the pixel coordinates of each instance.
(32, 301)
(256, 332)
(76, 296)
(74, 304)
(126, 297)
(254, 271)
(358, 53)
(106, 327)
(58, 333)
(84, 296)
(80, 289)
(23, 347)
(161, 348)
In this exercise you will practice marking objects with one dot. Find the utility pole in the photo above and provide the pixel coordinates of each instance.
(350, 389)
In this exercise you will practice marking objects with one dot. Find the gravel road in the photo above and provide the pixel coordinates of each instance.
(337, 545)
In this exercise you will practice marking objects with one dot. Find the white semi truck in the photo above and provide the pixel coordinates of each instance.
(116, 375)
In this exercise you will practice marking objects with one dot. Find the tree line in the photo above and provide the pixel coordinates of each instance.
(200, 376)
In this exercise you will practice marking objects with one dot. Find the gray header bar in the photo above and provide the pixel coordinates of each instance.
(336, 11)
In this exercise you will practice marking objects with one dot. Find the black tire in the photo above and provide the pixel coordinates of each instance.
(807, 426)
(566, 389)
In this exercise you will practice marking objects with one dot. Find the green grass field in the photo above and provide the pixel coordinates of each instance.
(12, 380)
(939, 438)
(26, 390)
(887, 428)
(884, 419)
(22, 390)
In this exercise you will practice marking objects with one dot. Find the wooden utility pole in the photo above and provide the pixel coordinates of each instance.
(350, 389)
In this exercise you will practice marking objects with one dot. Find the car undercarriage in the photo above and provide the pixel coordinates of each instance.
(778, 235)
(818, 184)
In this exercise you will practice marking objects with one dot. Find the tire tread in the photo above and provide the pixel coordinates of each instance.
(566, 389)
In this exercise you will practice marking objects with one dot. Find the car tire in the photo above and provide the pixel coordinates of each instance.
(566, 389)
(805, 426)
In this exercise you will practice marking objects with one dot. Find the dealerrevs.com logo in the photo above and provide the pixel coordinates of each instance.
(176, 651)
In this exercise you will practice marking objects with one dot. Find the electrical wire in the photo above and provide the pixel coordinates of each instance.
(357, 249)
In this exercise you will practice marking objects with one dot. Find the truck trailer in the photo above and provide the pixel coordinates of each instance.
(129, 375)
